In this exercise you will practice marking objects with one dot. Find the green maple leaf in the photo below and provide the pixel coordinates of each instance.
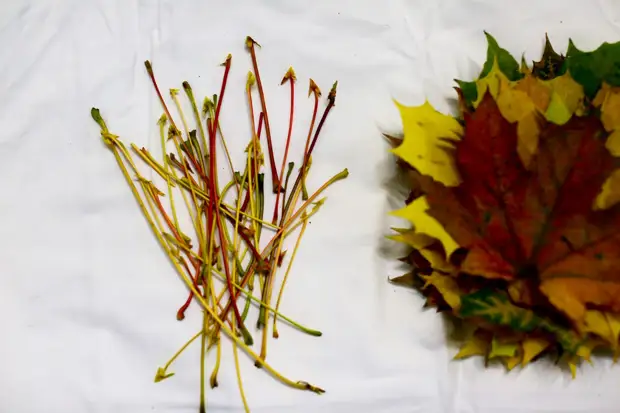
(469, 90)
(572, 49)
(506, 62)
(496, 308)
(591, 69)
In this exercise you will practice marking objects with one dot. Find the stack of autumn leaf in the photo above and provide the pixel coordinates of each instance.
(513, 205)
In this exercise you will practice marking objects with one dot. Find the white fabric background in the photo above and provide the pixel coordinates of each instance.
(87, 298)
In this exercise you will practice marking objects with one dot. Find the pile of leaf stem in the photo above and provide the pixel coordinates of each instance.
(227, 235)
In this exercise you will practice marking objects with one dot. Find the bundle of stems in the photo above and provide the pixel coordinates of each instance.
(228, 252)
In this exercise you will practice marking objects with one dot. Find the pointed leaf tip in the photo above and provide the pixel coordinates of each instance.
(249, 42)
(393, 140)
(406, 280)
(505, 61)
(314, 88)
(289, 75)
(490, 39)
(550, 64)
(162, 375)
(227, 60)
(332, 92)
(571, 49)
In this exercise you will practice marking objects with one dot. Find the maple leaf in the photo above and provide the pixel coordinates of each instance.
(521, 101)
(592, 69)
(509, 353)
(551, 63)
(532, 347)
(477, 345)
(425, 224)
(607, 100)
(604, 325)
(506, 62)
(519, 224)
(407, 280)
(495, 55)
(446, 286)
(426, 150)
(514, 207)
(495, 308)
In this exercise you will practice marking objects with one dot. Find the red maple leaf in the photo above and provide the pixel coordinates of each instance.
(535, 224)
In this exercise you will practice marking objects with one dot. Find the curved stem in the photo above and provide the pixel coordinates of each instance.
(304, 224)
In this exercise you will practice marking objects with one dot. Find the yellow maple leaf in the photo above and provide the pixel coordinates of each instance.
(492, 82)
(517, 106)
(416, 213)
(533, 346)
(501, 349)
(613, 142)
(557, 112)
(566, 99)
(437, 261)
(507, 350)
(572, 365)
(426, 132)
(477, 345)
(411, 237)
(595, 322)
(605, 325)
(610, 191)
(614, 325)
(447, 287)
(513, 361)
(608, 100)
(421, 242)
(557, 99)
(539, 92)
(583, 353)
(585, 350)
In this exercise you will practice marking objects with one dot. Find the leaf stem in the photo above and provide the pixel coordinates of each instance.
(111, 142)
(304, 224)
(291, 166)
(331, 103)
(249, 42)
(149, 69)
(312, 89)
(269, 247)
(162, 373)
(215, 214)
(202, 153)
(290, 77)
